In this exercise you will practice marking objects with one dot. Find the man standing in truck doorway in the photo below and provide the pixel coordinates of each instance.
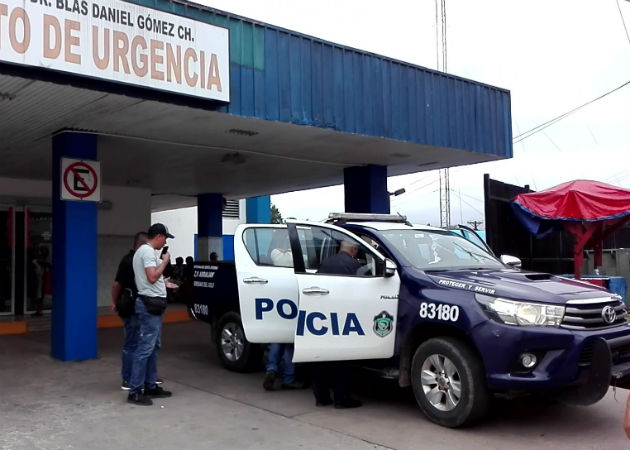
(335, 375)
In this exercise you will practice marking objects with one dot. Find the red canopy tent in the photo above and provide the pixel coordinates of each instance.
(590, 210)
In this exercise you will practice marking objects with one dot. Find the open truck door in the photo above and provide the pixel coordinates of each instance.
(345, 316)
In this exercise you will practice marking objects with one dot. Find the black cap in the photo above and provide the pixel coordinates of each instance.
(160, 228)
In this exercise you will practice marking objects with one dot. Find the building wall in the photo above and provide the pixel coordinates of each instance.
(182, 223)
(130, 212)
(124, 212)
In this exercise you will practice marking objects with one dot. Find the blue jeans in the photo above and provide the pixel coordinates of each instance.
(280, 359)
(144, 368)
(131, 329)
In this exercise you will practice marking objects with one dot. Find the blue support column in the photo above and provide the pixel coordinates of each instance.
(209, 225)
(259, 209)
(74, 259)
(365, 189)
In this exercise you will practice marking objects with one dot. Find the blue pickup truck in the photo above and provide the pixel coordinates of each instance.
(427, 307)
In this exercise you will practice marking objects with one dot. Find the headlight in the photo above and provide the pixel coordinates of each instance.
(525, 314)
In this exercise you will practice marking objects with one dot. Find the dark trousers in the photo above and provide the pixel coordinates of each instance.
(331, 376)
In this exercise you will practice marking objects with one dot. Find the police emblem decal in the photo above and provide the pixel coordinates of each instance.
(383, 324)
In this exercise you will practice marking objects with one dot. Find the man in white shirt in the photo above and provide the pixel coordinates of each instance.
(148, 267)
(282, 257)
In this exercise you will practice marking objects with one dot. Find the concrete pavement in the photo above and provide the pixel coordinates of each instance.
(47, 404)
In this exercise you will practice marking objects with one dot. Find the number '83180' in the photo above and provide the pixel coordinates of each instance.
(439, 311)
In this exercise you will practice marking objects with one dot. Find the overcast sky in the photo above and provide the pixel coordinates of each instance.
(553, 55)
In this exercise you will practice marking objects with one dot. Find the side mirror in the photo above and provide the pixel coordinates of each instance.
(511, 261)
(390, 267)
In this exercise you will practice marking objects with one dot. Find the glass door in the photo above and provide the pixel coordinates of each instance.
(7, 259)
(38, 260)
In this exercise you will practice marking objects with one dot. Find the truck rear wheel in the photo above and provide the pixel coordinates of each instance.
(449, 383)
(235, 351)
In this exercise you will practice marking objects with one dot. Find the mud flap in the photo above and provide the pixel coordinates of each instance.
(597, 382)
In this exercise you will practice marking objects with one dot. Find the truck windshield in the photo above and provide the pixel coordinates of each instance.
(439, 250)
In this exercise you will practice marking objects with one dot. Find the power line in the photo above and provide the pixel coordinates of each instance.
(418, 181)
(409, 191)
(472, 206)
(473, 197)
(623, 22)
(542, 126)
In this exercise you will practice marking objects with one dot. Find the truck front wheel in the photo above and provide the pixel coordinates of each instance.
(449, 383)
(235, 351)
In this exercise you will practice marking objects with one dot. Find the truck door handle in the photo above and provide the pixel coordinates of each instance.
(315, 291)
(254, 280)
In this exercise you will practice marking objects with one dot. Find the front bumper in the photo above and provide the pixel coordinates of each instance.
(568, 360)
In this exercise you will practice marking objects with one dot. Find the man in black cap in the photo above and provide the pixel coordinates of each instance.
(148, 266)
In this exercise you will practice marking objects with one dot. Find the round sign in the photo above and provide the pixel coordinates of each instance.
(74, 180)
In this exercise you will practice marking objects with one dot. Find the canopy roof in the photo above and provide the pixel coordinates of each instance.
(579, 200)
(590, 210)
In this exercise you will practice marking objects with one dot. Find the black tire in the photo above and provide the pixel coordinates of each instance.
(235, 351)
(454, 392)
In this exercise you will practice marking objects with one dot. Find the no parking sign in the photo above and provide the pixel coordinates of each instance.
(80, 180)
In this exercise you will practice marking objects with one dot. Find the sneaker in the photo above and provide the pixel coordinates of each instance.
(125, 386)
(139, 399)
(272, 381)
(159, 380)
(348, 403)
(157, 391)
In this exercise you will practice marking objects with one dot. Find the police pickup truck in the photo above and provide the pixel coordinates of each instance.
(427, 306)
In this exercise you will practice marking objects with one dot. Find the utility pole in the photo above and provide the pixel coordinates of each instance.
(445, 199)
(441, 57)
(475, 224)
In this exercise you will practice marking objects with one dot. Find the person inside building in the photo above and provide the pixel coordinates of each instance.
(148, 268)
(178, 271)
(335, 375)
(43, 275)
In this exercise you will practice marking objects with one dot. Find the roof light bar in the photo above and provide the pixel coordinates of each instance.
(363, 217)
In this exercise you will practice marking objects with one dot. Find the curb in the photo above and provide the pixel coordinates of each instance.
(105, 321)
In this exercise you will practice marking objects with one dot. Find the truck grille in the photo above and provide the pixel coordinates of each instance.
(593, 313)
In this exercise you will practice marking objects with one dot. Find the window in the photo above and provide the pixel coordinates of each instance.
(269, 246)
(438, 250)
(319, 244)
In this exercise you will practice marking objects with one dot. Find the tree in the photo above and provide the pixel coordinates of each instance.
(276, 217)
